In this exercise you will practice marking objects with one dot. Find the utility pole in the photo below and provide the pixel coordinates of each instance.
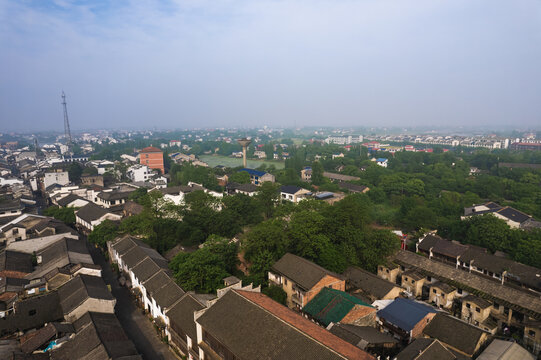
(67, 132)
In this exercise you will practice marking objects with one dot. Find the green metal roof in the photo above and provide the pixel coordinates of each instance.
(331, 305)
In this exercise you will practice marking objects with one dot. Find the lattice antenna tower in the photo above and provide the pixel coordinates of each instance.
(67, 132)
(36, 147)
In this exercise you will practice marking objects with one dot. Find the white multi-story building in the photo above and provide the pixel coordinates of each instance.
(139, 173)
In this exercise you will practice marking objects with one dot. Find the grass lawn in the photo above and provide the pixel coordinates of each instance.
(214, 160)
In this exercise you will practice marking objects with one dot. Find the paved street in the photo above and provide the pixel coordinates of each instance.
(136, 325)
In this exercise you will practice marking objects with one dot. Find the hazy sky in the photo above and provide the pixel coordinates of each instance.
(195, 63)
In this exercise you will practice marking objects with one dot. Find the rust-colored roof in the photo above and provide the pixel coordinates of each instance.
(151, 149)
(306, 326)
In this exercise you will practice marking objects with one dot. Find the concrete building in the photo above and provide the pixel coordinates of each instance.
(153, 158)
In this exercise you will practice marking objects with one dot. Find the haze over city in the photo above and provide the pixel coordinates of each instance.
(183, 64)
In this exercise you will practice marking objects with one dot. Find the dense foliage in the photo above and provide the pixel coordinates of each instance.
(66, 214)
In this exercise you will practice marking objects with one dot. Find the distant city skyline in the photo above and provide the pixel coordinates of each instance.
(185, 64)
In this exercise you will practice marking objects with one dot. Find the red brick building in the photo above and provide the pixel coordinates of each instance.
(152, 157)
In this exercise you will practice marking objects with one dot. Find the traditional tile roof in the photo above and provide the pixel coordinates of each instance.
(114, 195)
(253, 326)
(509, 296)
(425, 349)
(79, 289)
(405, 313)
(446, 288)
(331, 305)
(181, 315)
(352, 187)
(361, 336)
(505, 350)
(482, 303)
(455, 333)
(66, 200)
(91, 212)
(99, 336)
(304, 273)
(16, 261)
(34, 340)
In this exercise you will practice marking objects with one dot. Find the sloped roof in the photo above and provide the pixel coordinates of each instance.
(331, 305)
(79, 289)
(368, 282)
(150, 149)
(352, 187)
(505, 350)
(361, 336)
(181, 315)
(168, 294)
(455, 333)
(66, 200)
(513, 214)
(99, 336)
(425, 349)
(290, 189)
(16, 261)
(253, 326)
(301, 271)
(405, 313)
(91, 212)
(253, 172)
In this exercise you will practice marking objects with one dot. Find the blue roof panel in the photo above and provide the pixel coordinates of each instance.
(253, 172)
(405, 313)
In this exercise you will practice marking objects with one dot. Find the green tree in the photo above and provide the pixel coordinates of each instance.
(276, 293)
(240, 177)
(106, 231)
(317, 173)
(67, 214)
(268, 197)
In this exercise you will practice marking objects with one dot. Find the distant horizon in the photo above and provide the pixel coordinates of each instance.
(179, 63)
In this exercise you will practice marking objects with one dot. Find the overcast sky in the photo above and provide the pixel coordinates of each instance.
(195, 63)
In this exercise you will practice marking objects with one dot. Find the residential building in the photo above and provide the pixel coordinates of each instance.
(405, 318)
(425, 349)
(441, 294)
(366, 338)
(91, 215)
(369, 286)
(340, 177)
(247, 189)
(475, 310)
(56, 177)
(514, 218)
(302, 279)
(456, 334)
(71, 200)
(153, 158)
(306, 173)
(89, 180)
(259, 177)
(382, 162)
(353, 188)
(108, 199)
(294, 193)
(85, 293)
(335, 306)
(413, 281)
(139, 173)
(250, 325)
(505, 350)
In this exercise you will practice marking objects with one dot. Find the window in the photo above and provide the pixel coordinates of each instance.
(434, 291)
(387, 271)
(412, 281)
(406, 279)
(459, 291)
(285, 281)
(477, 310)
(429, 278)
(531, 333)
(32, 312)
(468, 305)
(496, 306)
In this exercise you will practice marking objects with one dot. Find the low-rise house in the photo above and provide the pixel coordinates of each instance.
(294, 193)
(71, 200)
(413, 282)
(247, 189)
(369, 286)
(302, 279)
(513, 217)
(425, 349)
(108, 199)
(405, 319)
(14, 264)
(306, 173)
(340, 177)
(56, 177)
(91, 180)
(258, 177)
(382, 162)
(390, 272)
(475, 310)
(97, 336)
(10, 208)
(91, 215)
(250, 325)
(335, 306)
(456, 334)
(181, 330)
(505, 350)
(442, 294)
(532, 335)
(39, 339)
(353, 188)
(139, 173)
(85, 293)
(39, 229)
(101, 165)
(365, 337)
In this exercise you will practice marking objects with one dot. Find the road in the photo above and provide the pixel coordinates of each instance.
(136, 325)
